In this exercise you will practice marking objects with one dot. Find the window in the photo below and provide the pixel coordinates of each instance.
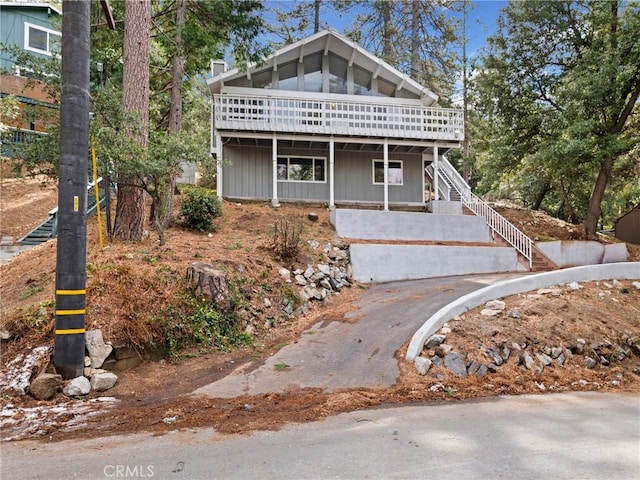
(395, 172)
(337, 75)
(313, 73)
(41, 40)
(361, 81)
(301, 169)
(288, 79)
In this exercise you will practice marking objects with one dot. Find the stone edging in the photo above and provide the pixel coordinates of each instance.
(505, 288)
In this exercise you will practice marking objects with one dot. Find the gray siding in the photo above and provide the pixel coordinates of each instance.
(247, 173)
(354, 179)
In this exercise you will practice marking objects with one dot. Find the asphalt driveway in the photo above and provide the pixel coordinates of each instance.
(337, 355)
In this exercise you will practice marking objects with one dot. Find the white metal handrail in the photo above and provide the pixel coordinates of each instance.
(498, 224)
(340, 117)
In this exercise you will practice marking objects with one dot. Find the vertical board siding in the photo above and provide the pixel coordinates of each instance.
(247, 173)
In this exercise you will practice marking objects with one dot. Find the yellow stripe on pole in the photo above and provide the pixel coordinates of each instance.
(71, 292)
(97, 192)
(70, 331)
(81, 311)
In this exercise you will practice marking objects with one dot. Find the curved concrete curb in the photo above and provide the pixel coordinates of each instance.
(589, 273)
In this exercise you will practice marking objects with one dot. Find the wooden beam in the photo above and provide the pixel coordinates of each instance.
(106, 8)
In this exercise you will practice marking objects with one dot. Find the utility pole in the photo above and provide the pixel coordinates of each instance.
(71, 255)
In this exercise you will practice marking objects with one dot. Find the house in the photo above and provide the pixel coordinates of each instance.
(34, 28)
(323, 120)
(627, 227)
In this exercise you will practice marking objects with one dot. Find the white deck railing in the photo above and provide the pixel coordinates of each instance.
(336, 117)
(498, 224)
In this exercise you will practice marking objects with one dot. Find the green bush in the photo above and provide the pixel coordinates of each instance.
(199, 209)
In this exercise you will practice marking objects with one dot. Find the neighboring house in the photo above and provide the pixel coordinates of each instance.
(33, 27)
(323, 120)
(627, 227)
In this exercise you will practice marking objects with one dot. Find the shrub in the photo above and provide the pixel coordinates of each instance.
(286, 238)
(199, 209)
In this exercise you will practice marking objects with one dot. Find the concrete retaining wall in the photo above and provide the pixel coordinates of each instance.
(574, 253)
(619, 271)
(387, 263)
(387, 225)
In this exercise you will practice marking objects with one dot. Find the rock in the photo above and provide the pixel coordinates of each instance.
(560, 360)
(580, 343)
(98, 350)
(575, 286)
(87, 361)
(617, 284)
(266, 302)
(285, 274)
(473, 367)
(487, 312)
(636, 285)
(494, 354)
(77, 387)
(590, 362)
(90, 372)
(308, 273)
(313, 216)
(515, 313)
(422, 365)
(556, 352)
(45, 386)
(313, 244)
(436, 360)
(435, 341)
(554, 292)
(300, 280)
(103, 381)
(325, 269)
(544, 359)
(5, 334)
(495, 305)
(445, 329)
(528, 361)
(207, 281)
(454, 362)
(607, 285)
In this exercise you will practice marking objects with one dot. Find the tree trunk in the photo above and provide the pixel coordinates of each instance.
(415, 38)
(595, 202)
(387, 47)
(129, 222)
(316, 16)
(165, 187)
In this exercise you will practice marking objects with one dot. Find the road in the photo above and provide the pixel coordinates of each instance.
(560, 436)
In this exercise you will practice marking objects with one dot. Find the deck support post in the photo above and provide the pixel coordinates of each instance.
(218, 152)
(274, 152)
(386, 174)
(332, 202)
(436, 171)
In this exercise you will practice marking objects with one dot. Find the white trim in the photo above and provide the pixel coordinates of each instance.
(321, 138)
(48, 31)
(289, 157)
(436, 170)
(389, 161)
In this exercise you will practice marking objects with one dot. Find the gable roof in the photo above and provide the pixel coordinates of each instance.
(634, 210)
(329, 41)
(30, 5)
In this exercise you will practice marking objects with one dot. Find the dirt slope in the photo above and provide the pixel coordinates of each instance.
(598, 312)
